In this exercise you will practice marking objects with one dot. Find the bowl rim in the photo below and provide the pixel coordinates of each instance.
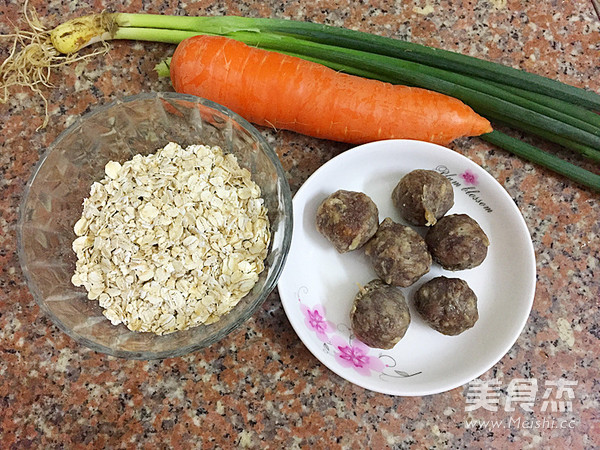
(276, 269)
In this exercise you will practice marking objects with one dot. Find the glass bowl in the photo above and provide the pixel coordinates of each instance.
(62, 179)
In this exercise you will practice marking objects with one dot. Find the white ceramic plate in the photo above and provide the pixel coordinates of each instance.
(318, 285)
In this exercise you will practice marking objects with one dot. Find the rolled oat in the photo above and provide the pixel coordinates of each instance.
(171, 240)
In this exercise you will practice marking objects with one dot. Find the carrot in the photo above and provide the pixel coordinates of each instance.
(273, 89)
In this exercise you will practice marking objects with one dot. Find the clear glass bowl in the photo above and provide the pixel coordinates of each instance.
(53, 203)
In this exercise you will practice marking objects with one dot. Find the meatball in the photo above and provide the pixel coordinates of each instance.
(423, 197)
(457, 242)
(398, 254)
(347, 219)
(380, 315)
(448, 305)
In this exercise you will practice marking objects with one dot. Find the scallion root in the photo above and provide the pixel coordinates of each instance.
(32, 58)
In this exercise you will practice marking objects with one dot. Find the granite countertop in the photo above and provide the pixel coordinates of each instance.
(260, 387)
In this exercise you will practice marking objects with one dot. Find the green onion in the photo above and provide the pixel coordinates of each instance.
(554, 103)
(584, 150)
(510, 144)
(373, 44)
(552, 162)
(491, 100)
(488, 100)
(432, 57)
(532, 103)
(153, 34)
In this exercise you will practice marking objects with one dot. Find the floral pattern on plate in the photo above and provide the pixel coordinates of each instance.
(349, 352)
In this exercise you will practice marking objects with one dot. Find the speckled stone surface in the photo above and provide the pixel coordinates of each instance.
(260, 387)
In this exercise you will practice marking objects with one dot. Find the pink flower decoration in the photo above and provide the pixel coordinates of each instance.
(356, 356)
(469, 177)
(315, 320)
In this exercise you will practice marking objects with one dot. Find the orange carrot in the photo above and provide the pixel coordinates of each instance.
(272, 89)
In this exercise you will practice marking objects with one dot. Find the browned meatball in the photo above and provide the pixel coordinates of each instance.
(347, 219)
(457, 242)
(448, 305)
(398, 254)
(380, 315)
(423, 197)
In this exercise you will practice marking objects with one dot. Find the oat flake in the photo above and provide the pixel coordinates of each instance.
(171, 240)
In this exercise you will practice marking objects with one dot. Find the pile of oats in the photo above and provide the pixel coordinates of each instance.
(171, 240)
